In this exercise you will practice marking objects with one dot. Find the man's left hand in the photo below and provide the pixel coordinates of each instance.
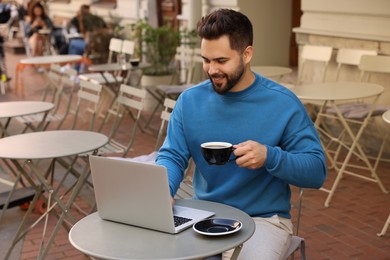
(250, 154)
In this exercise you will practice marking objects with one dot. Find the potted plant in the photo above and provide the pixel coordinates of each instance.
(156, 47)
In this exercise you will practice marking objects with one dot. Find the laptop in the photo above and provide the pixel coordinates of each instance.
(138, 194)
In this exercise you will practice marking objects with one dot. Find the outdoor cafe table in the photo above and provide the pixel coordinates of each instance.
(331, 94)
(11, 109)
(41, 61)
(25, 150)
(110, 240)
(272, 71)
(99, 72)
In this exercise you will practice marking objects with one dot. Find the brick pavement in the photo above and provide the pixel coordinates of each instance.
(345, 230)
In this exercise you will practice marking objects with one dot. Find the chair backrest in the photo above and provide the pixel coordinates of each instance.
(169, 104)
(68, 83)
(128, 48)
(196, 60)
(370, 64)
(130, 100)
(53, 83)
(184, 64)
(88, 98)
(314, 53)
(114, 47)
(350, 57)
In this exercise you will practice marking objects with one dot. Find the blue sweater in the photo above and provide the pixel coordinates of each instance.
(265, 112)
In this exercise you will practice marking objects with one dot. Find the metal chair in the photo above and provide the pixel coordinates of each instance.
(62, 87)
(297, 242)
(169, 104)
(115, 48)
(368, 63)
(130, 101)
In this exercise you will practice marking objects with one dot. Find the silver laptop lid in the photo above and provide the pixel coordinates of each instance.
(136, 194)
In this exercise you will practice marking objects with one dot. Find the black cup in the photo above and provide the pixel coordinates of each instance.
(217, 153)
(134, 62)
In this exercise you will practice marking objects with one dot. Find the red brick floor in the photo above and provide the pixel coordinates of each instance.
(345, 230)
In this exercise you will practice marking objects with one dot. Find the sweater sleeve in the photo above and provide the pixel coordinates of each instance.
(174, 153)
(304, 164)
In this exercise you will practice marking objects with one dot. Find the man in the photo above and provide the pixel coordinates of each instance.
(276, 143)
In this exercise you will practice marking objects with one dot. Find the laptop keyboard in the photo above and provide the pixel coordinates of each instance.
(180, 220)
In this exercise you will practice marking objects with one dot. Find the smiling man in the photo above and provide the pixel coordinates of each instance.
(275, 141)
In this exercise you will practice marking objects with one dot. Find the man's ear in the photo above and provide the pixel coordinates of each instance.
(247, 55)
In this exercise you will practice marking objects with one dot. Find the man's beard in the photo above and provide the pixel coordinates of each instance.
(231, 80)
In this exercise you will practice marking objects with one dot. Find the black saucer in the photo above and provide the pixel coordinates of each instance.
(217, 226)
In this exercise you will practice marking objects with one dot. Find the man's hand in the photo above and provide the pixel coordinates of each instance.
(250, 154)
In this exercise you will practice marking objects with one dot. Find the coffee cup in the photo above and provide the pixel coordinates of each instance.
(134, 62)
(217, 153)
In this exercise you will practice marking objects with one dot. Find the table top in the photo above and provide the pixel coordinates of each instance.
(23, 108)
(110, 240)
(337, 90)
(109, 67)
(49, 59)
(386, 116)
(50, 144)
(114, 67)
(271, 71)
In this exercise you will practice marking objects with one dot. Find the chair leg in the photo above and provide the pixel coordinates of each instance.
(303, 250)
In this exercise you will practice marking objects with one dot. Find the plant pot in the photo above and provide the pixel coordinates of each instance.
(150, 82)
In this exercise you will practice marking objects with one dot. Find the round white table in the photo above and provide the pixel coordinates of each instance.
(110, 240)
(330, 94)
(386, 116)
(109, 72)
(25, 149)
(41, 61)
(9, 110)
(51, 59)
(272, 71)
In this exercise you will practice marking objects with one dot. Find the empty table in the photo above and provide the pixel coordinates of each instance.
(9, 110)
(25, 149)
(272, 71)
(42, 61)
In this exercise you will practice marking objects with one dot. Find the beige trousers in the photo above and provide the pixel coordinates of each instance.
(271, 240)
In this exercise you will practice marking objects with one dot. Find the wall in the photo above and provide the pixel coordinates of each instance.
(271, 21)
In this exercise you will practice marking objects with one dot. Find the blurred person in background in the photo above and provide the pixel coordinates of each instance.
(38, 20)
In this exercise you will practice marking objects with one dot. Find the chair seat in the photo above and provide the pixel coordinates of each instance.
(104, 78)
(358, 110)
(173, 89)
(296, 242)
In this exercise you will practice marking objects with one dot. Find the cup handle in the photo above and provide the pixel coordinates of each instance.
(231, 160)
